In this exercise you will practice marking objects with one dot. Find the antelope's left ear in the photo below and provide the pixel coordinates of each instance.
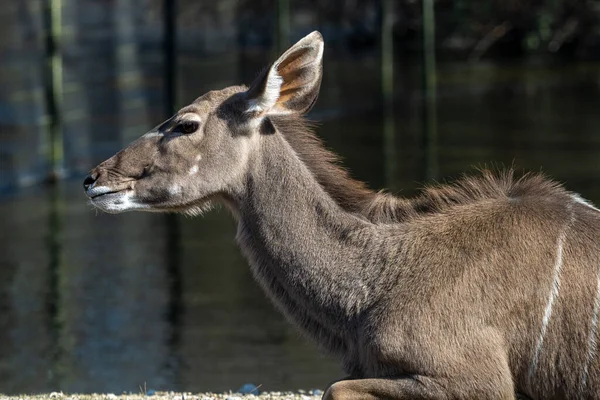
(292, 83)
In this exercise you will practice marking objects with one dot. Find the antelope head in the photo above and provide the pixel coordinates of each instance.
(202, 153)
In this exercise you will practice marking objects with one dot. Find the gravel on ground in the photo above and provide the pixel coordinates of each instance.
(298, 395)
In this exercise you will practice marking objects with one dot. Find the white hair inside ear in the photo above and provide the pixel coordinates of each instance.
(269, 97)
(291, 84)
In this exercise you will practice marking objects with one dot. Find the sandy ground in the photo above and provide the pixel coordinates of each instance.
(300, 395)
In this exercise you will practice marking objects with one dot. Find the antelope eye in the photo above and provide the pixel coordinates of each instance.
(187, 127)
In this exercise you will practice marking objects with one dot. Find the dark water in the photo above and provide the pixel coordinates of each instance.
(105, 303)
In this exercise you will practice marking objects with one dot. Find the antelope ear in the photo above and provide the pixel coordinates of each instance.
(291, 84)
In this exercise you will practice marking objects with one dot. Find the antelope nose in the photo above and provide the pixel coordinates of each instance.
(89, 181)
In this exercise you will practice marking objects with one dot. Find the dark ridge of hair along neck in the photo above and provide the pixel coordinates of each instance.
(350, 194)
(354, 196)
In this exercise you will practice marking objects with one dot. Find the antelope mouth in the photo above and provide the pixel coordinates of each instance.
(101, 191)
(114, 199)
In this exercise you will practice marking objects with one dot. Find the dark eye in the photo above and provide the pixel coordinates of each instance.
(187, 127)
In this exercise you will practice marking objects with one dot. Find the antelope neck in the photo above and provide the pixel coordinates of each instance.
(304, 250)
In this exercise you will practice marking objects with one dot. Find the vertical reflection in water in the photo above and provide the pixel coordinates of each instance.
(54, 247)
(387, 90)
(174, 307)
(283, 26)
(430, 139)
(53, 85)
(129, 74)
(173, 238)
(170, 59)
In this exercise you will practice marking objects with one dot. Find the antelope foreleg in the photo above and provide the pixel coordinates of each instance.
(414, 388)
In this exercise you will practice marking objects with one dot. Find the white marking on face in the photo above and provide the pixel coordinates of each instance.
(193, 170)
(553, 291)
(114, 203)
(198, 157)
(152, 134)
(174, 190)
(578, 199)
(592, 341)
(191, 117)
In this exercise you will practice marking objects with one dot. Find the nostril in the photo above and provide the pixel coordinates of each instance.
(89, 181)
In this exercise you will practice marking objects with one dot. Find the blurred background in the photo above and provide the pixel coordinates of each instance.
(413, 90)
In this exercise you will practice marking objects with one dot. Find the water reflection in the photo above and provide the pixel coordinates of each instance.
(54, 243)
(174, 276)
